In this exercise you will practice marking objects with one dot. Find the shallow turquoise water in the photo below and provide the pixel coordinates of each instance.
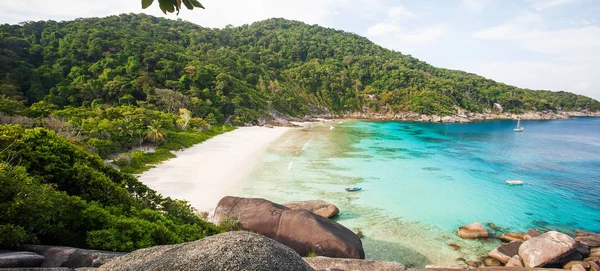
(422, 180)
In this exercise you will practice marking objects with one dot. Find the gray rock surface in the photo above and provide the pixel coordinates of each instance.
(9, 259)
(325, 263)
(227, 251)
(72, 257)
(546, 248)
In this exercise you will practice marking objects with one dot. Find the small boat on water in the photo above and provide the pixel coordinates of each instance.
(515, 182)
(353, 189)
(519, 128)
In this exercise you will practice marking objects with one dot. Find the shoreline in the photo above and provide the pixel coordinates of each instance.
(460, 117)
(206, 172)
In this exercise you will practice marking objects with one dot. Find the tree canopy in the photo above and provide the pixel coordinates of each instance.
(242, 72)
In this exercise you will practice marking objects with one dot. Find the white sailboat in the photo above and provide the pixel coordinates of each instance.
(519, 128)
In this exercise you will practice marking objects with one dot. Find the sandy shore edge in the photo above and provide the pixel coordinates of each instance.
(205, 173)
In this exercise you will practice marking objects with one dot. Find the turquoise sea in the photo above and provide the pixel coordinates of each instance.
(423, 180)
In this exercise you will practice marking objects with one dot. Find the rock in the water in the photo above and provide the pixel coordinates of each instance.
(492, 262)
(532, 233)
(72, 257)
(472, 263)
(324, 263)
(582, 249)
(303, 231)
(359, 234)
(454, 246)
(512, 236)
(571, 263)
(590, 240)
(505, 252)
(319, 207)
(472, 231)
(541, 250)
(12, 259)
(577, 267)
(227, 251)
(515, 261)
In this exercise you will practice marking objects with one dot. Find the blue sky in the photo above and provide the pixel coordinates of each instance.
(538, 44)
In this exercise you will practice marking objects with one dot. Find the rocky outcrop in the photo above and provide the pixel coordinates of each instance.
(226, 251)
(301, 230)
(56, 256)
(12, 259)
(324, 263)
(505, 252)
(319, 207)
(472, 231)
(544, 249)
(512, 236)
(498, 108)
(571, 263)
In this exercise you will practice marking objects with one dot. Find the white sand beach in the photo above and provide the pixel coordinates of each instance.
(206, 172)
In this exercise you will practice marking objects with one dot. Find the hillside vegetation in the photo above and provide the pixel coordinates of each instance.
(278, 64)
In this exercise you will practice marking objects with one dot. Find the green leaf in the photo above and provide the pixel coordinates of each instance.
(146, 3)
(188, 4)
(166, 6)
(196, 4)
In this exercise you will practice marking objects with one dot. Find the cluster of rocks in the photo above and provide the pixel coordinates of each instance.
(533, 249)
(276, 238)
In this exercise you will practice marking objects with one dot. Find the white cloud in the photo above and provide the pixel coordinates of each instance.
(475, 6)
(382, 29)
(425, 36)
(546, 4)
(399, 12)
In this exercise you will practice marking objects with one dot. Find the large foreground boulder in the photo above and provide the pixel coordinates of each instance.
(319, 207)
(227, 251)
(325, 263)
(10, 259)
(303, 231)
(472, 231)
(546, 248)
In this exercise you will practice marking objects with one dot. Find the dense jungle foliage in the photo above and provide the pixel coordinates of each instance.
(278, 64)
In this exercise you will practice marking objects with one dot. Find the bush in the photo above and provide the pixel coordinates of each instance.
(12, 236)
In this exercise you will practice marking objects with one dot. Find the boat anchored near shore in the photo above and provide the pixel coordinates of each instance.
(519, 128)
(353, 189)
(515, 182)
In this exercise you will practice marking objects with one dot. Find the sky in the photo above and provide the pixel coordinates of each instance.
(537, 44)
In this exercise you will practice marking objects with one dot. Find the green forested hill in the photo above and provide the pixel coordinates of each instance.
(279, 64)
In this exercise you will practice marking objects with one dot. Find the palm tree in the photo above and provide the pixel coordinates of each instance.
(155, 134)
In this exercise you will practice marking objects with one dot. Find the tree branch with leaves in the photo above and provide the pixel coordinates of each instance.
(173, 5)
